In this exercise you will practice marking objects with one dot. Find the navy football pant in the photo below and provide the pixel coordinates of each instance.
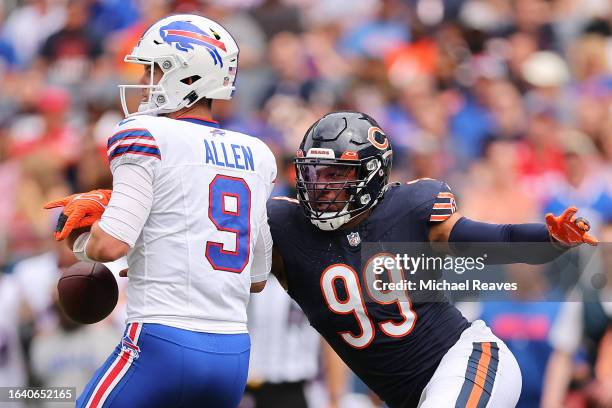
(161, 366)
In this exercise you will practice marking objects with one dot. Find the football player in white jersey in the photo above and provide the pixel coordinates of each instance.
(188, 208)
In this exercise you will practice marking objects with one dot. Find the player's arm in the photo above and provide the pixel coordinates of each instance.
(280, 213)
(455, 233)
(561, 232)
(101, 247)
(117, 231)
(262, 257)
(134, 158)
(262, 261)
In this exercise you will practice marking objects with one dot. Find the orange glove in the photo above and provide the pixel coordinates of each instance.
(568, 229)
(80, 210)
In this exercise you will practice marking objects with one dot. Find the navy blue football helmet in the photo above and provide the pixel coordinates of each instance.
(342, 168)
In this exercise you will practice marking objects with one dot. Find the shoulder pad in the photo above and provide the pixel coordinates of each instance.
(432, 200)
(282, 212)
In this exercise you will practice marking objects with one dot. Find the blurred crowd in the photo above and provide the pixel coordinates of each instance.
(509, 101)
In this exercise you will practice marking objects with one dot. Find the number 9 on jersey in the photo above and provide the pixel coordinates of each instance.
(229, 209)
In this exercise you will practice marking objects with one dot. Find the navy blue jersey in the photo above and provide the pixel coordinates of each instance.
(393, 346)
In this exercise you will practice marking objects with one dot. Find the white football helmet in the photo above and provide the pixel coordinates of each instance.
(198, 58)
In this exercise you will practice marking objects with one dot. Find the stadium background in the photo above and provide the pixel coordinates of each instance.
(509, 101)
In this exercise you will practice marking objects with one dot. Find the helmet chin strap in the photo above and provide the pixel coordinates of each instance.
(333, 220)
(331, 224)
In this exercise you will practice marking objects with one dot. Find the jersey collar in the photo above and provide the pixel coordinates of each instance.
(200, 121)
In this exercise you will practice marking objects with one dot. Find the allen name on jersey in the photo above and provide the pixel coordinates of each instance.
(234, 156)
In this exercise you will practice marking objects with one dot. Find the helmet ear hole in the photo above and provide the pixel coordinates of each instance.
(190, 80)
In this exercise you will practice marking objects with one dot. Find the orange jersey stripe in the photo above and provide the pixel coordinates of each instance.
(446, 195)
(439, 217)
(442, 206)
(481, 375)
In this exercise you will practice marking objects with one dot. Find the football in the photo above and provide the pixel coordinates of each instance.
(87, 292)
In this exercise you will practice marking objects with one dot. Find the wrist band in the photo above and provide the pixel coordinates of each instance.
(80, 246)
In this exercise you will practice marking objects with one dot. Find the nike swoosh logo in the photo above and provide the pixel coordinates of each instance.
(89, 196)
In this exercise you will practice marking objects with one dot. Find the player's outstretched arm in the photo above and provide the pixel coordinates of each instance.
(562, 232)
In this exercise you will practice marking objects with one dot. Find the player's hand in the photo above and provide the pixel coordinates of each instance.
(80, 211)
(569, 230)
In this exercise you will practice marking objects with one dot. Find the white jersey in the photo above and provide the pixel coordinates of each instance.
(191, 266)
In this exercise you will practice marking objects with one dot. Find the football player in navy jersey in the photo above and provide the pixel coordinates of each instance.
(411, 352)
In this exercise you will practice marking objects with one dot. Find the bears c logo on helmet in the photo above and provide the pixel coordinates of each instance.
(377, 137)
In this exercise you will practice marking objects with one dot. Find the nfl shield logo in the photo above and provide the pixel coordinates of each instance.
(354, 239)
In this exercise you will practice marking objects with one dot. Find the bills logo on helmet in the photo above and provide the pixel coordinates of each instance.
(184, 36)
